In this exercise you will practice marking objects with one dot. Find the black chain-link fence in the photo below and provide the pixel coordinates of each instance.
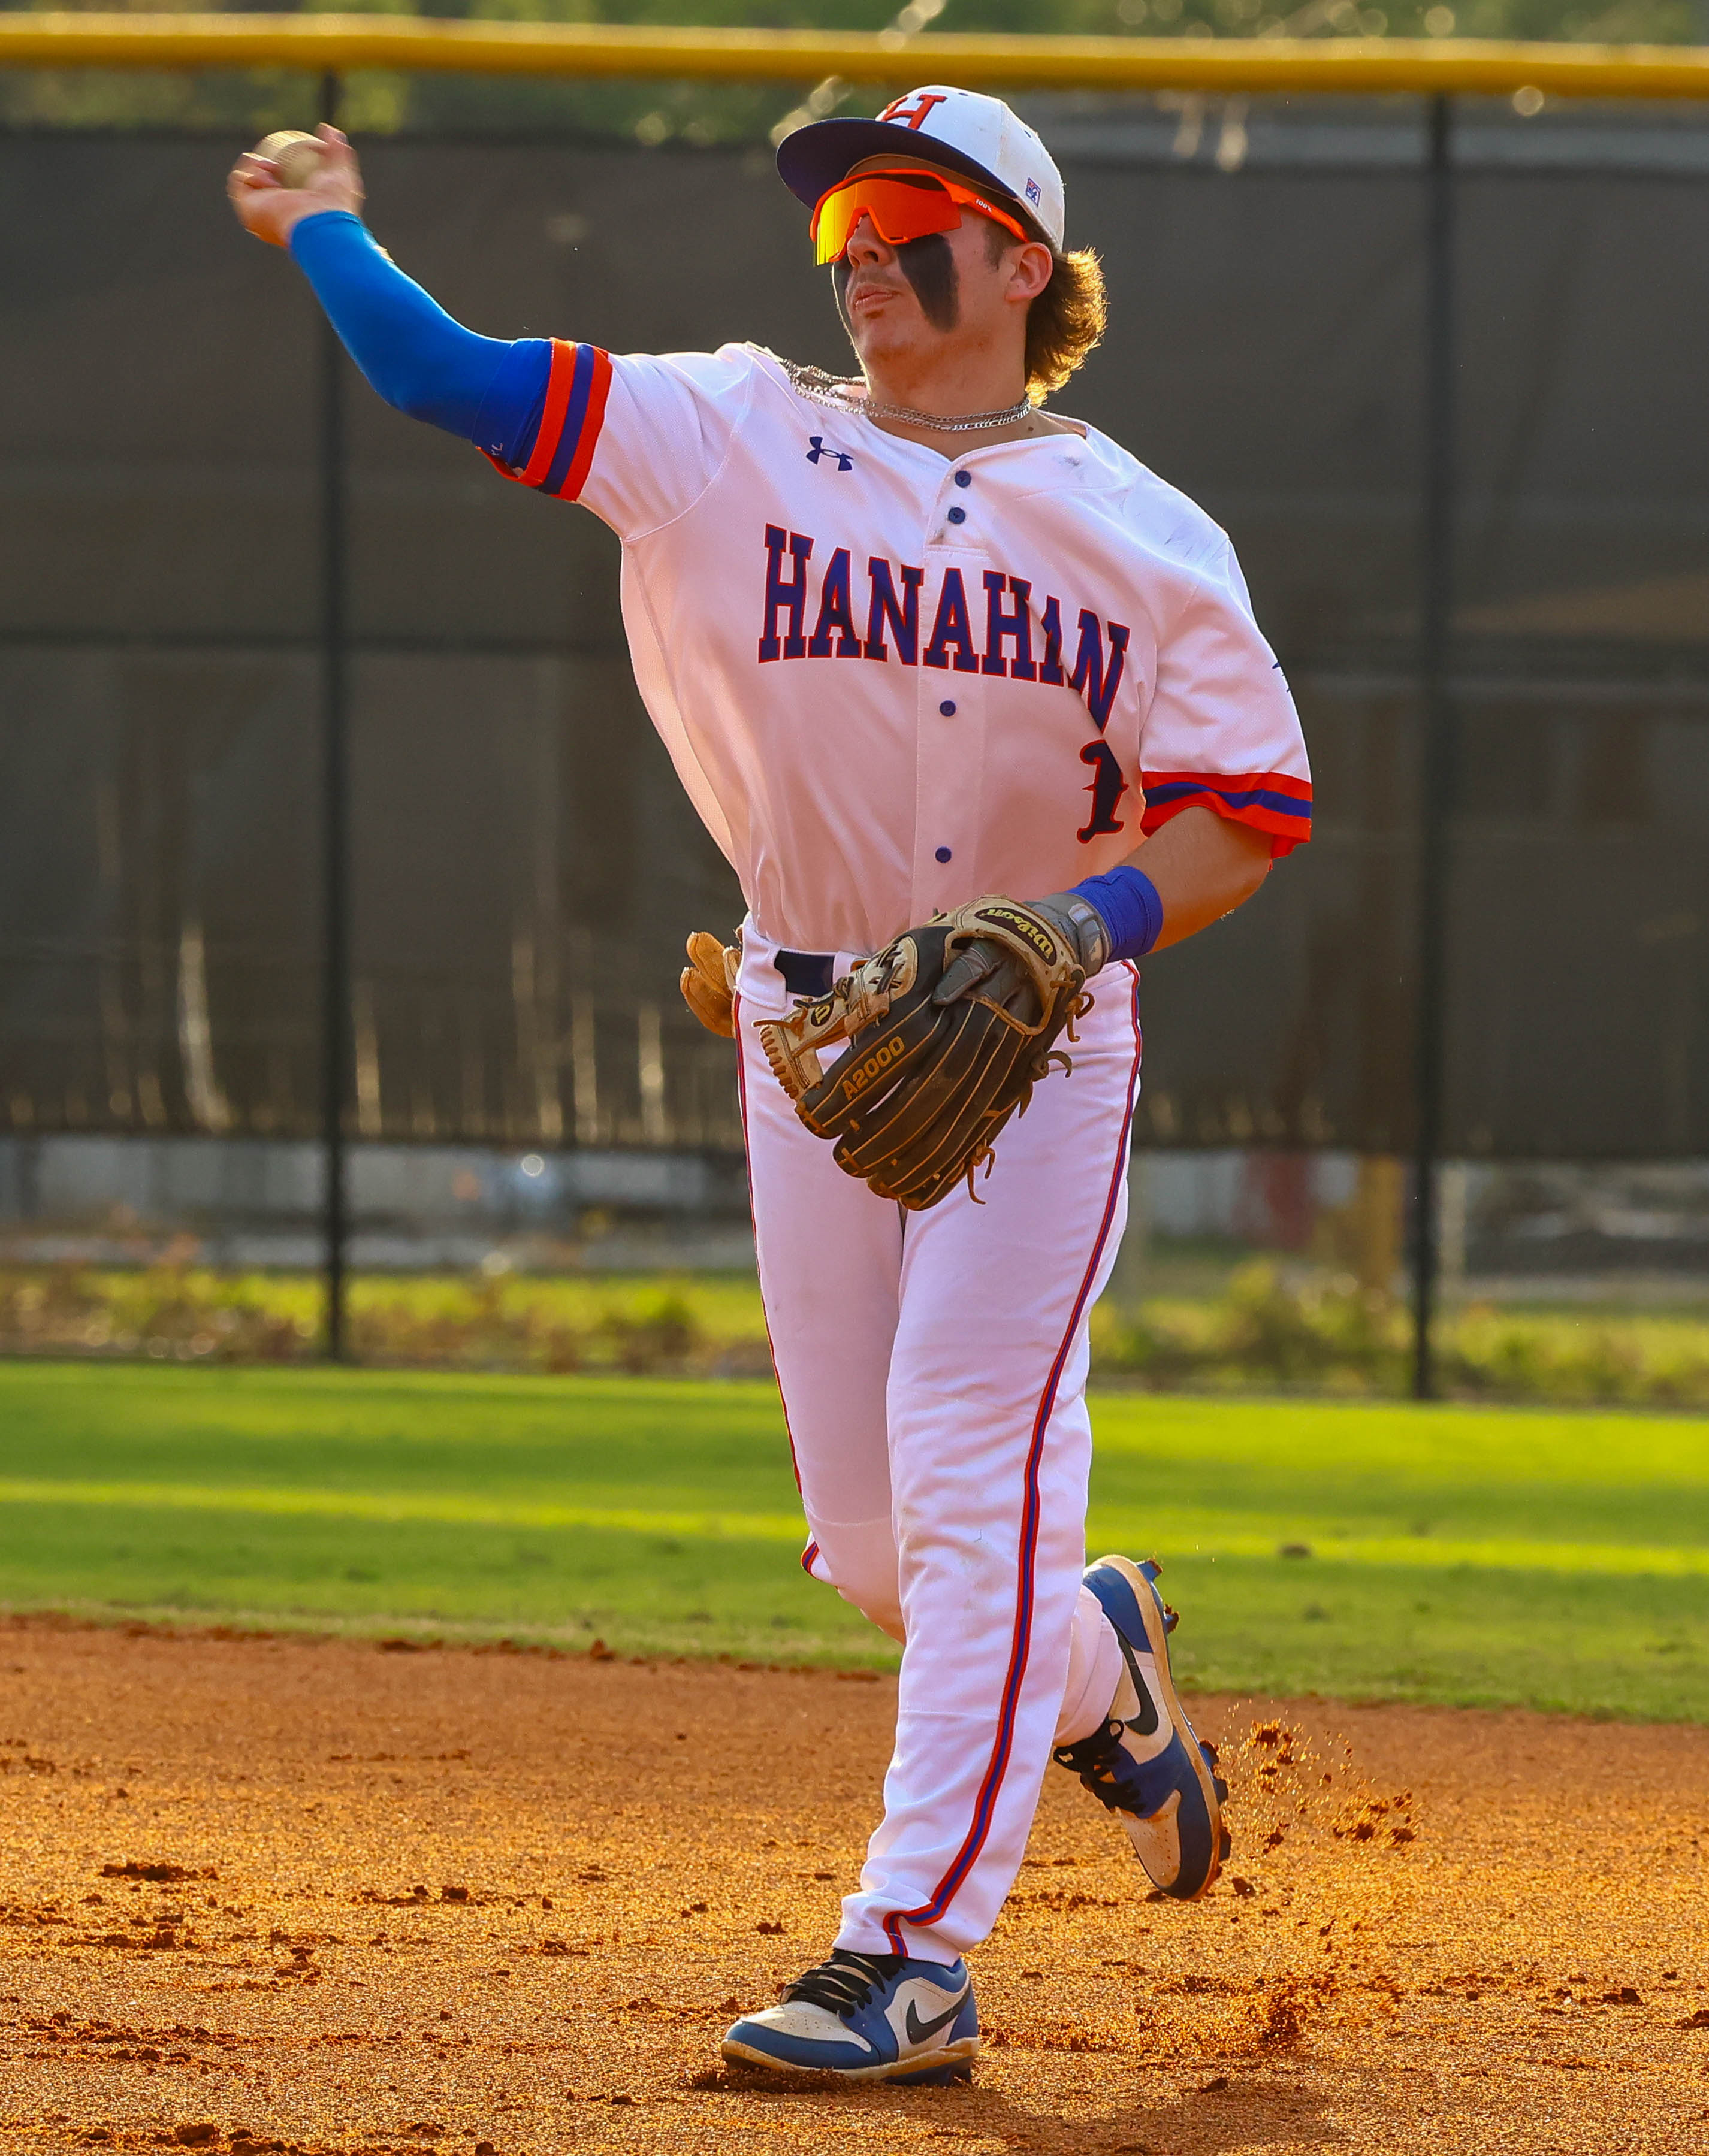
(524, 868)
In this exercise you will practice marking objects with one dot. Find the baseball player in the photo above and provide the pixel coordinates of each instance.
(911, 638)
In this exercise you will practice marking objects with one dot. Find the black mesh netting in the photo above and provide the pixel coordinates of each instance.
(513, 813)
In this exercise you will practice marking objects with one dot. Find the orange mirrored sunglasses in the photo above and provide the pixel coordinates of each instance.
(904, 204)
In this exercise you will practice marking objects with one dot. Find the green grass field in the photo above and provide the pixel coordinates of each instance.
(1456, 1554)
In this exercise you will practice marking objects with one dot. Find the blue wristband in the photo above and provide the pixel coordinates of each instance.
(1126, 902)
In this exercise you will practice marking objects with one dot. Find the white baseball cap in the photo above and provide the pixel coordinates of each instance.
(956, 128)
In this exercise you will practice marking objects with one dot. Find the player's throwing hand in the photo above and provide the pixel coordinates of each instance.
(268, 208)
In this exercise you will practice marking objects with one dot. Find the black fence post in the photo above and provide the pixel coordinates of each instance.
(335, 813)
(1436, 718)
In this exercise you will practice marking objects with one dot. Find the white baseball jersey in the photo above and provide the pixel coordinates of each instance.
(891, 680)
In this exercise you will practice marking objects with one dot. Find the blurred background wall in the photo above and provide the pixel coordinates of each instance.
(521, 1077)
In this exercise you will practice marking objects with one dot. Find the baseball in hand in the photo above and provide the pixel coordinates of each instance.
(295, 156)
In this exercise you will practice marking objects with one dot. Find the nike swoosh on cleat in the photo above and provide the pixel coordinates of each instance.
(919, 2030)
(1145, 1723)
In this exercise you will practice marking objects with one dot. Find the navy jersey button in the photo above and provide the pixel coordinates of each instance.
(943, 852)
(958, 515)
(948, 710)
(964, 479)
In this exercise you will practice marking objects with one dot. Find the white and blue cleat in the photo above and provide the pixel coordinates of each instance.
(869, 2018)
(1145, 1764)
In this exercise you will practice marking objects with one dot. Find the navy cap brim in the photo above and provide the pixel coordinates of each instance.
(814, 157)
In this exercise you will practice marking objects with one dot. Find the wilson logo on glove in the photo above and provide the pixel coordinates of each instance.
(1042, 940)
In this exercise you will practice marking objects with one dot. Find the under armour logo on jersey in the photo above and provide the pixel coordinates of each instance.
(915, 115)
(845, 462)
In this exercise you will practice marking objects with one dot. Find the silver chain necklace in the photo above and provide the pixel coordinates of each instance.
(837, 391)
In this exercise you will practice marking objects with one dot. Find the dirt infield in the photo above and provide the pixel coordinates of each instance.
(310, 1895)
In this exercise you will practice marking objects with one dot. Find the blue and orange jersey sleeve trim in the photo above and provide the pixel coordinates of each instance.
(1267, 800)
(574, 411)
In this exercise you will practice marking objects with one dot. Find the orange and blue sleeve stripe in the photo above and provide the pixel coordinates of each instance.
(1267, 800)
(574, 411)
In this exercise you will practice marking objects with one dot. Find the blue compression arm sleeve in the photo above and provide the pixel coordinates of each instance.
(1126, 899)
(489, 391)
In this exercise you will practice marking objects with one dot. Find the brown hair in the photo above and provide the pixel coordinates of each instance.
(1066, 321)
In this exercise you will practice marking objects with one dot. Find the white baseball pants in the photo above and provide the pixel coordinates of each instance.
(933, 1367)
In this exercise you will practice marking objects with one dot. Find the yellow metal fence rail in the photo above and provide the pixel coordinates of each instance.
(1366, 66)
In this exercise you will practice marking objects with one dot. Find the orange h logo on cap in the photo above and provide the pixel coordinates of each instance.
(913, 118)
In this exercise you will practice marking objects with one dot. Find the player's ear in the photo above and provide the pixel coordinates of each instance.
(1030, 268)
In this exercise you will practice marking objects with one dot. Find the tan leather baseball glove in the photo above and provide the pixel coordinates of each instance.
(949, 1028)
